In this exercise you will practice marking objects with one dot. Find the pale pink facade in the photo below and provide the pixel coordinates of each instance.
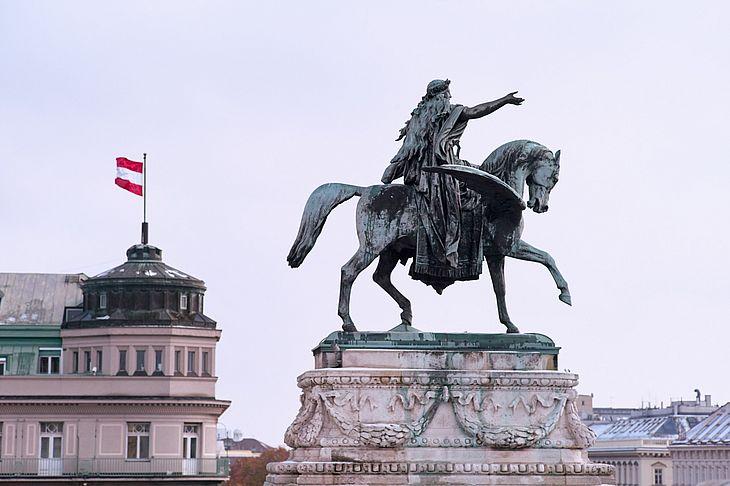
(94, 434)
(134, 399)
(200, 342)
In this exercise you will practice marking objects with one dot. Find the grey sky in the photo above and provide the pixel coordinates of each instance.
(245, 108)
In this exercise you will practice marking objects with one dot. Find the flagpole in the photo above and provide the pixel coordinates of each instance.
(145, 234)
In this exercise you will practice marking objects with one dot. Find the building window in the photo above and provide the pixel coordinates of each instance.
(178, 362)
(87, 361)
(75, 361)
(140, 361)
(51, 440)
(200, 304)
(190, 441)
(71, 313)
(99, 360)
(191, 363)
(123, 361)
(183, 302)
(3, 365)
(102, 300)
(158, 361)
(138, 441)
(49, 365)
(204, 363)
(658, 476)
(49, 361)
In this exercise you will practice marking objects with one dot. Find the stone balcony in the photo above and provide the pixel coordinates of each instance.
(45, 471)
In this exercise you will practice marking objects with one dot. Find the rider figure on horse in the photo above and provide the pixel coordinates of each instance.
(431, 138)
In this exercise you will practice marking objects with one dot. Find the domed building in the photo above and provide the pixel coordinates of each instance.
(134, 401)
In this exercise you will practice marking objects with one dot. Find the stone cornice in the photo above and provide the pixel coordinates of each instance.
(110, 406)
(623, 451)
(395, 468)
(84, 387)
(143, 329)
(426, 378)
(700, 446)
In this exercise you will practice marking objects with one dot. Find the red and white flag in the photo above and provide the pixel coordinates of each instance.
(129, 175)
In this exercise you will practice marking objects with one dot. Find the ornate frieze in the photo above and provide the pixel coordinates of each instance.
(503, 468)
(494, 409)
(497, 379)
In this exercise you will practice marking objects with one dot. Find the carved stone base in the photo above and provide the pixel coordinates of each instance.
(419, 408)
(506, 474)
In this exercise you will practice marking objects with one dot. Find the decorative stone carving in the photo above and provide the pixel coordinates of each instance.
(380, 468)
(485, 410)
(472, 420)
(583, 436)
(342, 409)
(375, 425)
(305, 429)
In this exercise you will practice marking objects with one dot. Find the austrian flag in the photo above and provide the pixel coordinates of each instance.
(129, 175)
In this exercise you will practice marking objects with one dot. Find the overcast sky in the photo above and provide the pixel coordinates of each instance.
(245, 108)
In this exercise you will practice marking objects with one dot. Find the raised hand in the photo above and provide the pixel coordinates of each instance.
(512, 99)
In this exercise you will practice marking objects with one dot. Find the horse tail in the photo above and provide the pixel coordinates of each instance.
(319, 205)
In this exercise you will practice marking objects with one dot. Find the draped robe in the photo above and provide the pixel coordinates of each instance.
(439, 203)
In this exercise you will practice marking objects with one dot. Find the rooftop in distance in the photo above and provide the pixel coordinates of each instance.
(38, 298)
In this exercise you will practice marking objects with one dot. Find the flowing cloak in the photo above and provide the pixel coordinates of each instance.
(438, 202)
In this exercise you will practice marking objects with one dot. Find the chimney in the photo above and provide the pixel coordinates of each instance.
(708, 400)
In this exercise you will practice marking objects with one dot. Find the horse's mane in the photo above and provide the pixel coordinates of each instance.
(505, 159)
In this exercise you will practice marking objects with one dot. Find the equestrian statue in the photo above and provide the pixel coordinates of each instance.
(448, 216)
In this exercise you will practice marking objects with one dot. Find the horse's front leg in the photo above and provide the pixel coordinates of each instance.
(496, 271)
(525, 251)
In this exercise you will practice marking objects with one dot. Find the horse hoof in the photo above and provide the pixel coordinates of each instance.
(565, 297)
(349, 327)
(511, 328)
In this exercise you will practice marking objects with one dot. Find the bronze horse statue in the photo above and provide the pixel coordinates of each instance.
(387, 222)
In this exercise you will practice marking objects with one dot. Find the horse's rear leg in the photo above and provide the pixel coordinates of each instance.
(387, 262)
(496, 271)
(350, 271)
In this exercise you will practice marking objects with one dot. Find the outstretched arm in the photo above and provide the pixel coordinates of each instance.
(484, 109)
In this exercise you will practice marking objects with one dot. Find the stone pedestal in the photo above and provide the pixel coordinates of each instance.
(430, 408)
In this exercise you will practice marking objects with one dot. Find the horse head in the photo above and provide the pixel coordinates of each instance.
(542, 177)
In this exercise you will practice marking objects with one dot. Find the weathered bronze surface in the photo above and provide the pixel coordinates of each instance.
(449, 215)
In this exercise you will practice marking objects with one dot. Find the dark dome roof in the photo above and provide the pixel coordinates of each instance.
(144, 266)
(143, 291)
